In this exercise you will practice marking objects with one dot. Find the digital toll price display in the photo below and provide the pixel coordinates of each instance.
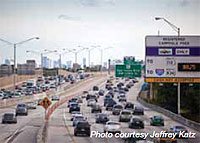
(189, 67)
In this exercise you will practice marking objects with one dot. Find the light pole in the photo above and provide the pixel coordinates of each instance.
(102, 50)
(175, 28)
(89, 50)
(15, 46)
(62, 53)
(76, 52)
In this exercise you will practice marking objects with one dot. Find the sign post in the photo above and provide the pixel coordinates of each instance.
(172, 59)
(45, 103)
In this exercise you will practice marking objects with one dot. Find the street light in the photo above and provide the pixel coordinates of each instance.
(15, 45)
(76, 52)
(61, 53)
(94, 47)
(175, 28)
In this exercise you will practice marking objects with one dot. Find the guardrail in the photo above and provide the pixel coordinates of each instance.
(175, 117)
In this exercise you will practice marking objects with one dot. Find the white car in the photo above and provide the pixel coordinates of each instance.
(91, 102)
(55, 97)
(125, 115)
(74, 114)
(113, 127)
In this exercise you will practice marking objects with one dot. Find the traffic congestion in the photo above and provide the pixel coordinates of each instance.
(111, 109)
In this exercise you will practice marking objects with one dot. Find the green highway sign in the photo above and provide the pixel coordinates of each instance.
(129, 60)
(128, 70)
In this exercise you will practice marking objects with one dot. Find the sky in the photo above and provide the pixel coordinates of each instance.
(74, 24)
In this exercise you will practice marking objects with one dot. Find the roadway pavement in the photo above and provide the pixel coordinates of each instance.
(61, 130)
(27, 127)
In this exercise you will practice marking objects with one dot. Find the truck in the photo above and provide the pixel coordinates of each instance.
(31, 82)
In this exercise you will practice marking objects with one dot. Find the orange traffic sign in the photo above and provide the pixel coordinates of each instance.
(45, 103)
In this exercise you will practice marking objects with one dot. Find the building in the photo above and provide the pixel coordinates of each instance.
(6, 70)
(7, 62)
(46, 62)
(56, 64)
(26, 69)
(69, 64)
(76, 67)
(84, 63)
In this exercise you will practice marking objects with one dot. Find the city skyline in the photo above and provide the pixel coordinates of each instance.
(122, 25)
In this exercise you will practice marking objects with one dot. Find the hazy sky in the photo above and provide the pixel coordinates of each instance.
(122, 24)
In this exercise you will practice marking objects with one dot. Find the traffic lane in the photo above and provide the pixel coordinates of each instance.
(6, 130)
(68, 134)
(132, 96)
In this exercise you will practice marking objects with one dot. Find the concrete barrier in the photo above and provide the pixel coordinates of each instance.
(175, 117)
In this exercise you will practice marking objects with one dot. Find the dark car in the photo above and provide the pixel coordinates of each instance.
(122, 99)
(9, 118)
(107, 99)
(96, 108)
(157, 121)
(117, 109)
(102, 118)
(95, 88)
(91, 96)
(110, 104)
(74, 107)
(129, 106)
(101, 92)
(136, 123)
(82, 127)
(138, 110)
(21, 109)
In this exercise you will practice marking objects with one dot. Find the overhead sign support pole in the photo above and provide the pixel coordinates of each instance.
(179, 98)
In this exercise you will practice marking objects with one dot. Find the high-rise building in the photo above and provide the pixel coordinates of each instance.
(84, 62)
(46, 62)
(69, 64)
(55, 64)
(7, 62)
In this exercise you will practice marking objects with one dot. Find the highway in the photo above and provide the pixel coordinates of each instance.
(27, 127)
(61, 129)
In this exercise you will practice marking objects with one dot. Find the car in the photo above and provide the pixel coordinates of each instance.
(107, 99)
(95, 88)
(122, 99)
(76, 119)
(75, 113)
(164, 140)
(177, 129)
(117, 109)
(121, 95)
(74, 107)
(9, 118)
(21, 109)
(125, 116)
(82, 127)
(112, 93)
(101, 92)
(91, 102)
(31, 105)
(136, 123)
(156, 121)
(112, 127)
(55, 97)
(138, 110)
(102, 118)
(96, 108)
(129, 106)
(110, 104)
(91, 96)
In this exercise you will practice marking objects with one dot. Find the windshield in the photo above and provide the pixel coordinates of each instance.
(126, 113)
(113, 123)
(21, 105)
